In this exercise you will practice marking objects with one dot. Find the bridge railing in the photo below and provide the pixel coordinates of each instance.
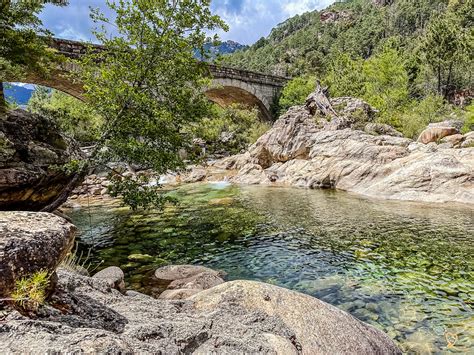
(75, 49)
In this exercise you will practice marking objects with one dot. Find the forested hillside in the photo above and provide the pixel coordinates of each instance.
(396, 54)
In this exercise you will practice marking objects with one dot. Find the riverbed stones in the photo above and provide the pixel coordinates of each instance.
(31, 242)
(240, 317)
(114, 276)
(179, 272)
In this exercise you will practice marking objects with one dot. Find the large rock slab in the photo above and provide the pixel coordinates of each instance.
(319, 328)
(30, 242)
(296, 151)
(31, 149)
(235, 318)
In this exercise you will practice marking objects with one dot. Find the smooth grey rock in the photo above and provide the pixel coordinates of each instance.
(240, 317)
(296, 151)
(381, 129)
(31, 242)
(468, 140)
(435, 134)
(196, 175)
(456, 124)
(319, 328)
(178, 294)
(114, 276)
(177, 272)
(201, 281)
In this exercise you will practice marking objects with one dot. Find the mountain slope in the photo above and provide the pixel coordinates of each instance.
(18, 94)
(306, 43)
(213, 51)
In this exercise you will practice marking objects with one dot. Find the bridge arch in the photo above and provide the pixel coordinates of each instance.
(229, 85)
(225, 92)
(60, 80)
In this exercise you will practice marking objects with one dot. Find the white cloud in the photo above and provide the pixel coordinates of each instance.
(248, 19)
(26, 86)
(251, 19)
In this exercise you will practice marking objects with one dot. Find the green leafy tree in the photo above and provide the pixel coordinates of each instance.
(416, 115)
(345, 76)
(447, 46)
(73, 116)
(386, 81)
(147, 86)
(230, 129)
(296, 91)
(22, 41)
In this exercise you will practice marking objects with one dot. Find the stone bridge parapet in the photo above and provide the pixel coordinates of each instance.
(229, 85)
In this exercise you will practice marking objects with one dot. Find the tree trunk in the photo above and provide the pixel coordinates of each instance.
(63, 196)
(439, 79)
(447, 88)
(318, 102)
(3, 102)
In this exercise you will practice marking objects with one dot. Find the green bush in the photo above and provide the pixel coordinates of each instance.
(73, 116)
(295, 92)
(469, 119)
(230, 129)
(418, 114)
(30, 292)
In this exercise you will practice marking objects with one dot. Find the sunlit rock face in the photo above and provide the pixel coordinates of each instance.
(331, 152)
(31, 151)
(238, 317)
(31, 242)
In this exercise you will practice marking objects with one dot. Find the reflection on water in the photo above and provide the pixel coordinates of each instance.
(405, 268)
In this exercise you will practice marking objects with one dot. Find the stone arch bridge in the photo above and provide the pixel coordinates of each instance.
(228, 86)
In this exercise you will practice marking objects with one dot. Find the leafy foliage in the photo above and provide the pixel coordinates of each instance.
(147, 86)
(416, 115)
(296, 91)
(230, 129)
(23, 41)
(73, 116)
(30, 292)
(396, 57)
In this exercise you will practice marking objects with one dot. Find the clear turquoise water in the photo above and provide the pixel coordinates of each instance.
(405, 268)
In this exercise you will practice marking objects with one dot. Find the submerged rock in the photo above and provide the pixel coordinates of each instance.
(31, 150)
(236, 317)
(31, 242)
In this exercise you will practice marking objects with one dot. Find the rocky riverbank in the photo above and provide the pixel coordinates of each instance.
(306, 149)
(32, 152)
(197, 313)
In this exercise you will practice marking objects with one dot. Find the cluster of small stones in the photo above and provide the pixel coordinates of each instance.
(93, 185)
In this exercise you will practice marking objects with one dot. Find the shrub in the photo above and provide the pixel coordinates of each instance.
(30, 292)
(469, 119)
(74, 117)
(418, 114)
(295, 92)
(230, 129)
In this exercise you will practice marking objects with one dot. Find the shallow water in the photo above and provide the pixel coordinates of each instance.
(406, 268)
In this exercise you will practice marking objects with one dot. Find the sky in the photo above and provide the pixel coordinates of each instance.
(248, 19)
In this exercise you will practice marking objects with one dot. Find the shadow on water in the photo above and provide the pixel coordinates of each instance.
(406, 268)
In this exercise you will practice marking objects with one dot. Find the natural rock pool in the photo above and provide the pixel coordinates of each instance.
(405, 268)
